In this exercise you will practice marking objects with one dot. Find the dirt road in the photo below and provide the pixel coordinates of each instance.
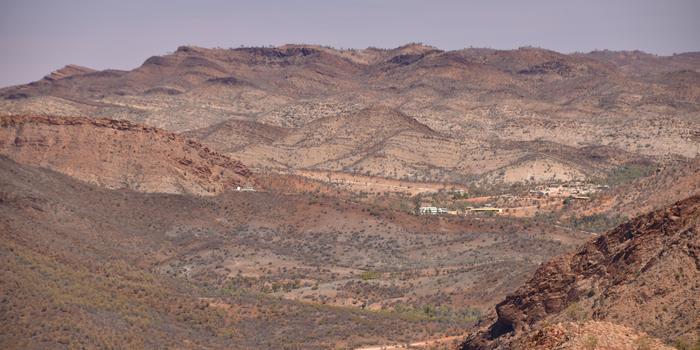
(420, 344)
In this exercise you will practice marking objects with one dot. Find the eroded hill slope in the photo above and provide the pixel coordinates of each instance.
(119, 154)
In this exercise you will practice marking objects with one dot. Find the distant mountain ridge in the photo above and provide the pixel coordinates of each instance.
(482, 102)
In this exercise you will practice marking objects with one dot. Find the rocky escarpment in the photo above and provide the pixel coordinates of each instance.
(68, 71)
(645, 274)
(120, 154)
(588, 335)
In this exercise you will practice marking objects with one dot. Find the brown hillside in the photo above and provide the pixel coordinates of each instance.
(85, 266)
(119, 228)
(119, 154)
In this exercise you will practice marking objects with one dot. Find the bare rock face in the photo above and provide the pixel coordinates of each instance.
(644, 274)
(119, 154)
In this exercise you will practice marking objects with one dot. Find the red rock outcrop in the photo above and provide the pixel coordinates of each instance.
(120, 154)
(645, 274)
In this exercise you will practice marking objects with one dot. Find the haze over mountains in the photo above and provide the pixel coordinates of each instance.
(269, 197)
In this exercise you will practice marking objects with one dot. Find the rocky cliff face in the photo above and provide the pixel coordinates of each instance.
(119, 154)
(645, 274)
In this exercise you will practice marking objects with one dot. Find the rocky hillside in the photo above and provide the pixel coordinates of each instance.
(85, 266)
(118, 228)
(78, 269)
(119, 154)
(384, 141)
(644, 274)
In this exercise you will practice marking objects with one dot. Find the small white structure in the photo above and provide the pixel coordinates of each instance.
(432, 210)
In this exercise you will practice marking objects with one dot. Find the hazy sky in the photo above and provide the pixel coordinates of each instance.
(38, 36)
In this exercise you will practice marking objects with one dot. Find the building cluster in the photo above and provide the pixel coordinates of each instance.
(429, 210)
(432, 210)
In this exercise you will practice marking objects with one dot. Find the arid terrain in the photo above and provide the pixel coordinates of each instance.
(643, 275)
(270, 198)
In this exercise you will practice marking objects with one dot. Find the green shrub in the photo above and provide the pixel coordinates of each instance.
(685, 344)
(596, 222)
(591, 342)
(628, 173)
(369, 275)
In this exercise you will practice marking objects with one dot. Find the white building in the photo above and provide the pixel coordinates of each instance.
(432, 210)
